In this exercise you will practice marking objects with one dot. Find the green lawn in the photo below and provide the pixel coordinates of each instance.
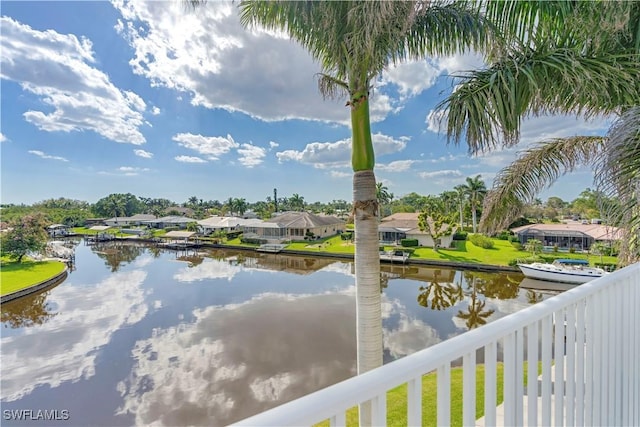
(397, 398)
(465, 251)
(15, 276)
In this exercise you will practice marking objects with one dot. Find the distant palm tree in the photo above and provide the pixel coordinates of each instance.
(240, 206)
(230, 206)
(296, 202)
(382, 196)
(461, 199)
(475, 190)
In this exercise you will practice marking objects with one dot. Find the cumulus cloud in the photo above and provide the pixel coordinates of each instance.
(436, 121)
(396, 166)
(338, 154)
(2, 137)
(448, 173)
(273, 144)
(47, 156)
(143, 153)
(412, 77)
(251, 155)
(155, 111)
(189, 159)
(59, 70)
(211, 147)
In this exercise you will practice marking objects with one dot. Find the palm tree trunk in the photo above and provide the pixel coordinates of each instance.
(367, 258)
(474, 217)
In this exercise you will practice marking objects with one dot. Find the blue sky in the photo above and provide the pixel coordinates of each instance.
(147, 98)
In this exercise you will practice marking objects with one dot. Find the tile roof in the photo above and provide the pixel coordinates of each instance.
(597, 231)
(304, 220)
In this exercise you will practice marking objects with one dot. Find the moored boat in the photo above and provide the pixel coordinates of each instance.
(562, 270)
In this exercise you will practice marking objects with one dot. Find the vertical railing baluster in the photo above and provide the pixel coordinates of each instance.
(570, 371)
(490, 386)
(509, 373)
(636, 350)
(532, 374)
(547, 337)
(611, 359)
(580, 363)
(558, 353)
(519, 378)
(379, 410)
(626, 356)
(598, 352)
(444, 395)
(590, 349)
(338, 420)
(414, 402)
(617, 290)
(469, 388)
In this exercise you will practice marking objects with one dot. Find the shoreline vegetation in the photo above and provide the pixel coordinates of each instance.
(503, 254)
(17, 276)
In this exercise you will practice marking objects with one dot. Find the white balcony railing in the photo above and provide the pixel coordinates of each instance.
(597, 330)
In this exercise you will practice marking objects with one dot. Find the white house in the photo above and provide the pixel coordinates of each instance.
(123, 221)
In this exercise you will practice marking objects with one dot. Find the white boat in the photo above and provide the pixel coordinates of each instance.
(562, 270)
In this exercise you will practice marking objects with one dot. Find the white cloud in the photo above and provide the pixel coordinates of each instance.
(132, 171)
(155, 111)
(210, 146)
(46, 156)
(143, 153)
(273, 144)
(437, 121)
(449, 173)
(338, 174)
(2, 137)
(251, 155)
(396, 166)
(57, 68)
(411, 77)
(338, 154)
(189, 159)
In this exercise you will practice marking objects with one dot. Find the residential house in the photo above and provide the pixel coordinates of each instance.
(404, 225)
(179, 222)
(227, 224)
(58, 230)
(125, 221)
(568, 235)
(299, 225)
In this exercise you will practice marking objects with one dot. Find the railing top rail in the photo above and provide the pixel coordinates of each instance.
(346, 394)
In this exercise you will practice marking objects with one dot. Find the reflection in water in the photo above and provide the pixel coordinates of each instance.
(116, 253)
(241, 359)
(27, 311)
(64, 347)
(221, 335)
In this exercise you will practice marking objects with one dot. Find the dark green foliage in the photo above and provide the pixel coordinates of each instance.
(460, 235)
(346, 236)
(519, 222)
(517, 245)
(481, 241)
(408, 242)
(253, 241)
(27, 234)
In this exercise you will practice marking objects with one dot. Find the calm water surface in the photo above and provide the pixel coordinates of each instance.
(140, 336)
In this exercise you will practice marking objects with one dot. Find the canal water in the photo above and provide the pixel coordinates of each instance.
(137, 335)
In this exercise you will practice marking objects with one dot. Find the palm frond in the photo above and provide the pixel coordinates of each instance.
(535, 169)
(330, 87)
(618, 178)
(486, 109)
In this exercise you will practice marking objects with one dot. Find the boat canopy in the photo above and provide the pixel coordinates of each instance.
(573, 261)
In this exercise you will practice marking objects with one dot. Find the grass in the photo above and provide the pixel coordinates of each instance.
(332, 244)
(15, 276)
(397, 398)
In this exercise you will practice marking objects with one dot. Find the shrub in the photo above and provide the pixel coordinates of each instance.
(253, 241)
(346, 236)
(460, 235)
(408, 242)
(481, 241)
(504, 235)
(572, 250)
(517, 246)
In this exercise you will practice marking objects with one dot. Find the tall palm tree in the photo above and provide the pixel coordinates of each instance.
(354, 42)
(590, 65)
(475, 190)
(461, 199)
